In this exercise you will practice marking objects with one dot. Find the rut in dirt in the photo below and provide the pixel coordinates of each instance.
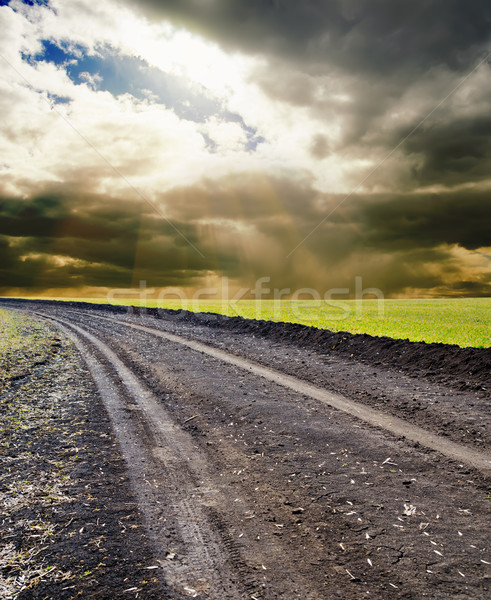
(167, 458)
(396, 426)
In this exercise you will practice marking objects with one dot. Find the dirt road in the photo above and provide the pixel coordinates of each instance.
(267, 468)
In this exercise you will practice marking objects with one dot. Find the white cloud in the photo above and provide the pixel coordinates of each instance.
(141, 138)
(287, 131)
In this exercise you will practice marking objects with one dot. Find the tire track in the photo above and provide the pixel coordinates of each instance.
(399, 427)
(217, 563)
(201, 568)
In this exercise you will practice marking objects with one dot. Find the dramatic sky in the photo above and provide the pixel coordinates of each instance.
(178, 142)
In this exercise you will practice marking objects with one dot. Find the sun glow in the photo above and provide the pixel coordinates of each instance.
(187, 55)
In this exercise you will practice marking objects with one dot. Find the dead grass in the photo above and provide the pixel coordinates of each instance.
(27, 415)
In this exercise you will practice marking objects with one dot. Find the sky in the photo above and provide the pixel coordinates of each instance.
(178, 144)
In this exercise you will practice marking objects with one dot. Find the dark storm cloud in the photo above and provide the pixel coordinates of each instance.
(454, 152)
(359, 35)
(48, 216)
(353, 61)
(421, 220)
(60, 239)
(398, 241)
(379, 221)
(250, 197)
(246, 226)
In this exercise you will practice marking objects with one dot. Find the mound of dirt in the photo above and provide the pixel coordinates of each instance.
(463, 368)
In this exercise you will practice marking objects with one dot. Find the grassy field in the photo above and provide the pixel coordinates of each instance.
(462, 321)
(23, 343)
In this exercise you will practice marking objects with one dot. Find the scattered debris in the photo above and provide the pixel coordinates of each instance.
(190, 419)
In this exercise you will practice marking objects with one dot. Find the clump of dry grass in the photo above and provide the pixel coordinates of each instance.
(23, 566)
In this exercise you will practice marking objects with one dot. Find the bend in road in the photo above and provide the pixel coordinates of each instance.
(395, 425)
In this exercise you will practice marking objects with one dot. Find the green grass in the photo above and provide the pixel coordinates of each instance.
(462, 321)
(23, 343)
